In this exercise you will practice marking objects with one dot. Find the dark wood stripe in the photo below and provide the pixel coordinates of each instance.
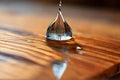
(27, 44)
(40, 57)
(18, 58)
(95, 48)
(20, 46)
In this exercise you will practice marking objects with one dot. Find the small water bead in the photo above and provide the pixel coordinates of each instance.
(59, 28)
(78, 48)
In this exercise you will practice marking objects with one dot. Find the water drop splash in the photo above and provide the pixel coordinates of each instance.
(59, 28)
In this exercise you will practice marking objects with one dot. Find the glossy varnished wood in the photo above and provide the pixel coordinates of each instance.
(26, 54)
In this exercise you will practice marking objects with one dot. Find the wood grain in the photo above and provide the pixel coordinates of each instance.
(29, 56)
(26, 54)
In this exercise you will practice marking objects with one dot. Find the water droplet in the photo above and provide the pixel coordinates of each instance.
(78, 48)
(59, 68)
(59, 28)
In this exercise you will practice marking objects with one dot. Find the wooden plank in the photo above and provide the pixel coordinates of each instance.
(35, 54)
(25, 53)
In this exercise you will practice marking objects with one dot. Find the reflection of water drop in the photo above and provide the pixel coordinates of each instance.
(59, 69)
(59, 29)
(80, 53)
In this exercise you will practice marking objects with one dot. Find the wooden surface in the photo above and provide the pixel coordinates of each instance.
(25, 53)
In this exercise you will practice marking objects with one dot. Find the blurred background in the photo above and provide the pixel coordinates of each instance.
(95, 17)
(114, 4)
